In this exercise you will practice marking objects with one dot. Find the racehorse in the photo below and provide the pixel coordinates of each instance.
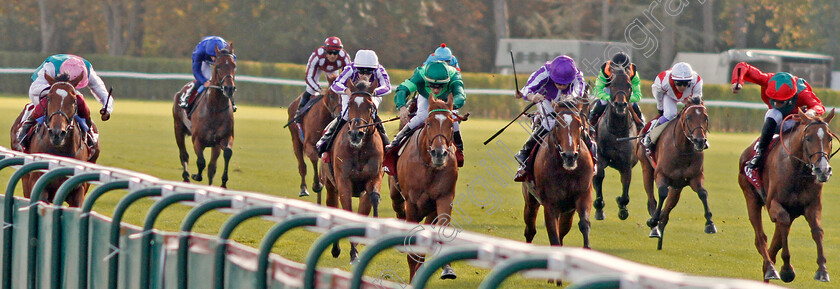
(794, 172)
(211, 121)
(310, 130)
(427, 172)
(677, 162)
(355, 165)
(563, 171)
(616, 123)
(59, 135)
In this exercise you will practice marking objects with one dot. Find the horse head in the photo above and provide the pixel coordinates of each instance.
(360, 110)
(61, 108)
(816, 144)
(620, 91)
(695, 123)
(439, 130)
(224, 71)
(566, 133)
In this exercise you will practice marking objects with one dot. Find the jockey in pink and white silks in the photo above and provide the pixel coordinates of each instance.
(365, 67)
(329, 58)
(73, 66)
(557, 80)
(678, 84)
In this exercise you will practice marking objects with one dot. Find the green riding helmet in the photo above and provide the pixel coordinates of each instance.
(436, 73)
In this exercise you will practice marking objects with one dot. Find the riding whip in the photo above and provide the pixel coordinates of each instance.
(104, 111)
(516, 82)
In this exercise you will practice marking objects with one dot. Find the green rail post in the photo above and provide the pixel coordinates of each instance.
(224, 235)
(148, 225)
(57, 239)
(446, 256)
(385, 242)
(119, 211)
(321, 244)
(34, 202)
(271, 237)
(510, 267)
(599, 282)
(9, 209)
(84, 224)
(186, 228)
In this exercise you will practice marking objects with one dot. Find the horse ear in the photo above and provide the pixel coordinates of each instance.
(50, 79)
(217, 50)
(230, 46)
(351, 85)
(76, 80)
(373, 85)
(801, 114)
(827, 118)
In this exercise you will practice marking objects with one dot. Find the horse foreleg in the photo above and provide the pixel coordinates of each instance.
(551, 215)
(373, 196)
(697, 186)
(812, 215)
(443, 211)
(215, 151)
(532, 207)
(583, 210)
(653, 222)
(564, 225)
(780, 239)
(317, 186)
(597, 183)
(624, 199)
(199, 160)
(670, 203)
(228, 152)
(397, 200)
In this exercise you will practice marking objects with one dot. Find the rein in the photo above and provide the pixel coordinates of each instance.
(808, 163)
(687, 132)
(575, 117)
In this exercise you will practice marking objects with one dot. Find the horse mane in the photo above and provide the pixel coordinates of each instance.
(64, 77)
(363, 85)
(695, 101)
(225, 51)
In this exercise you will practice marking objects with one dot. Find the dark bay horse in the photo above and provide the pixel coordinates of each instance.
(355, 165)
(311, 128)
(427, 172)
(679, 159)
(793, 174)
(563, 171)
(211, 121)
(617, 122)
(59, 135)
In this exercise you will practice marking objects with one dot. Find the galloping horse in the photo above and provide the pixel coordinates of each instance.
(616, 123)
(355, 165)
(678, 163)
(59, 135)
(211, 121)
(562, 179)
(311, 128)
(793, 174)
(427, 172)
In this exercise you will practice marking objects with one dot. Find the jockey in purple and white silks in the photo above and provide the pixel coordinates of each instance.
(203, 60)
(367, 68)
(557, 80)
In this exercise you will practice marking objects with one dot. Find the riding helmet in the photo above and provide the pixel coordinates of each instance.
(366, 58)
(333, 42)
(443, 53)
(781, 86)
(436, 73)
(621, 59)
(74, 66)
(562, 70)
(214, 42)
(681, 71)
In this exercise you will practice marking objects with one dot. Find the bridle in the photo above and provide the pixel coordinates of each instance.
(356, 120)
(575, 117)
(808, 164)
(227, 91)
(689, 132)
(446, 139)
(70, 120)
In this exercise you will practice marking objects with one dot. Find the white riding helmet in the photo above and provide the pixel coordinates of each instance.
(681, 71)
(366, 58)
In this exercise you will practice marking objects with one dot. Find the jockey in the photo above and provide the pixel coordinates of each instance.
(435, 79)
(557, 80)
(678, 84)
(73, 66)
(602, 88)
(203, 59)
(366, 67)
(783, 93)
(444, 54)
(329, 58)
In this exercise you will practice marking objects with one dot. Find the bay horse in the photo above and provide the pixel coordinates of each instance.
(211, 121)
(794, 172)
(676, 162)
(60, 135)
(312, 126)
(562, 183)
(427, 172)
(616, 123)
(355, 164)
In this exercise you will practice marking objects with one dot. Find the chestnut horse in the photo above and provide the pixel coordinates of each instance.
(679, 159)
(563, 171)
(309, 132)
(617, 122)
(427, 172)
(355, 165)
(794, 172)
(59, 135)
(211, 121)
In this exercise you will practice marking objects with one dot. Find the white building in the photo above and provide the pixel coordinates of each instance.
(717, 67)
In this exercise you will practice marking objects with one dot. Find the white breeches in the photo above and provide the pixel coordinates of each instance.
(423, 113)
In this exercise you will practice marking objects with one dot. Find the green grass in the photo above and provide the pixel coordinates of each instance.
(139, 137)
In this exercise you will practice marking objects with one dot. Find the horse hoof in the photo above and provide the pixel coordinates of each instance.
(335, 252)
(770, 273)
(623, 214)
(654, 233)
(711, 229)
(186, 177)
(821, 276)
(317, 187)
(788, 274)
(651, 223)
(303, 193)
(196, 178)
(447, 273)
(599, 215)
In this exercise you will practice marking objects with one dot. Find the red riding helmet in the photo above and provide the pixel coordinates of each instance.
(782, 86)
(333, 42)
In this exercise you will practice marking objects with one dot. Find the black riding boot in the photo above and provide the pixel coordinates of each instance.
(523, 154)
(459, 143)
(22, 136)
(325, 142)
(303, 100)
(382, 133)
(641, 123)
(398, 139)
(766, 136)
(591, 145)
(596, 113)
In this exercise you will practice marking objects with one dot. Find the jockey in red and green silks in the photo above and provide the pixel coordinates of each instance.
(602, 88)
(436, 79)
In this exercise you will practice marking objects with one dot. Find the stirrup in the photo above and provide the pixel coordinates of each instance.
(520, 175)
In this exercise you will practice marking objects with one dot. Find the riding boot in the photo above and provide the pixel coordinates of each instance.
(459, 144)
(597, 111)
(641, 123)
(326, 140)
(646, 140)
(766, 136)
(22, 136)
(398, 139)
(382, 133)
(523, 154)
(303, 100)
(593, 147)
